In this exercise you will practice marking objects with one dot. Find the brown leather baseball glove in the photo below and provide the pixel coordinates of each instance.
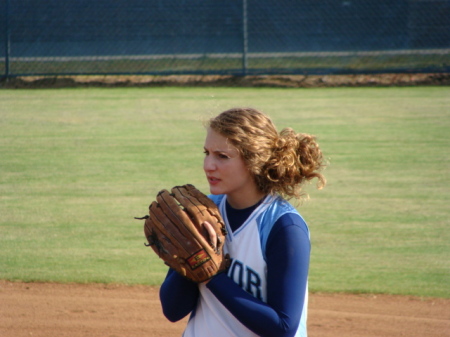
(186, 230)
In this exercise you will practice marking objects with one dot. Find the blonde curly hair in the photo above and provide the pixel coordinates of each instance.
(279, 162)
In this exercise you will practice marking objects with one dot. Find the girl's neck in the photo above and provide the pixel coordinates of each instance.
(244, 200)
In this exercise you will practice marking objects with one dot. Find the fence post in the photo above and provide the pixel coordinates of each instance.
(7, 39)
(244, 37)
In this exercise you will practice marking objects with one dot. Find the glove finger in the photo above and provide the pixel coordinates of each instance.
(169, 231)
(196, 210)
(163, 239)
(203, 209)
(200, 196)
(211, 207)
(173, 211)
(199, 207)
(185, 254)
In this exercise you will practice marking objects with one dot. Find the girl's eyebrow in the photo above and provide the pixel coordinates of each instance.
(216, 151)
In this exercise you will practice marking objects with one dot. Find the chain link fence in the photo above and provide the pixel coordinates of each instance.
(223, 37)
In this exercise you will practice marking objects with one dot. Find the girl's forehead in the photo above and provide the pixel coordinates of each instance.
(216, 142)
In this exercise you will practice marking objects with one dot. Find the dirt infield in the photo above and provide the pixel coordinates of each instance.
(50, 310)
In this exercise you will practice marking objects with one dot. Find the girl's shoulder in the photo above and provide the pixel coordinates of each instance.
(277, 207)
(279, 214)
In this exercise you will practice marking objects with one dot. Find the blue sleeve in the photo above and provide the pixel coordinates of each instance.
(178, 296)
(288, 253)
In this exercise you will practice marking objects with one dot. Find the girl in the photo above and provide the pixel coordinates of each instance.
(252, 170)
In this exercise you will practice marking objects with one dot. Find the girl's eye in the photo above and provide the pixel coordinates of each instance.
(218, 155)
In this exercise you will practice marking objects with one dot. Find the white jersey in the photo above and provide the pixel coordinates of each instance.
(246, 247)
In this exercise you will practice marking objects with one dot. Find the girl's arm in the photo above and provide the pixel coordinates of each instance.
(178, 296)
(288, 252)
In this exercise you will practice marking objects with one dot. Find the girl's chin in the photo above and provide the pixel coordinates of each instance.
(215, 190)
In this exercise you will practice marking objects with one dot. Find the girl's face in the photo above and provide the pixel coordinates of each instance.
(225, 169)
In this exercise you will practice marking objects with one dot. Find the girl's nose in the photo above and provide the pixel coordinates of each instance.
(208, 164)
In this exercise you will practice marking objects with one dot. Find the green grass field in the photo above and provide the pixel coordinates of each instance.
(78, 164)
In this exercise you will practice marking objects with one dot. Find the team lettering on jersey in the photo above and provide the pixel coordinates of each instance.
(246, 278)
